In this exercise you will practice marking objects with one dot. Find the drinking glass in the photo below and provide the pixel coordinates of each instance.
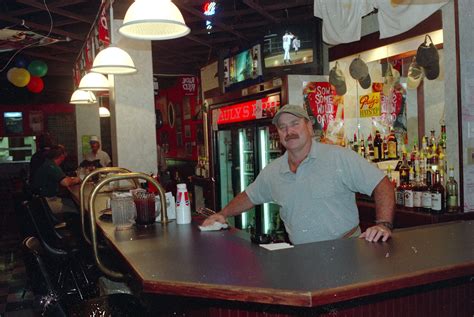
(123, 212)
(145, 205)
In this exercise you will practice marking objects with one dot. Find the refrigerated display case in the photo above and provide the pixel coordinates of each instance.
(243, 149)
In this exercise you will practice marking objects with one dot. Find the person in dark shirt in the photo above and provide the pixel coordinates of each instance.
(45, 142)
(49, 178)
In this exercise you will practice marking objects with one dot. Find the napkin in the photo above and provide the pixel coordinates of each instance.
(216, 226)
(277, 246)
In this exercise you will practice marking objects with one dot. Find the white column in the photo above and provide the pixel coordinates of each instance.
(87, 123)
(132, 108)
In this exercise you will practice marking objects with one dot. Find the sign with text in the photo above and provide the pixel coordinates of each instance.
(319, 102)
(369, 105)
(189, 85)
(247, 111)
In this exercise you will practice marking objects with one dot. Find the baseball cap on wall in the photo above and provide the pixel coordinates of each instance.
(337, 79)
(360, 72)
(295, 110)
(415, 75)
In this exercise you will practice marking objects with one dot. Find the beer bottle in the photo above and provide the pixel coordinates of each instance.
(451, 192)
(370, 146)
(437, 195)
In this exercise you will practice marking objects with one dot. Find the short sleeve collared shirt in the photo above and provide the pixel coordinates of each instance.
(47, 179)
(318, 201)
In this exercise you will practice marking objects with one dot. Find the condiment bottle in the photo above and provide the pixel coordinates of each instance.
(183, 207)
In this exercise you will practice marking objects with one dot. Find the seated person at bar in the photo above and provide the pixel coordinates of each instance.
(96, 153)
(49, 178)
(315, 186)
(45, 142)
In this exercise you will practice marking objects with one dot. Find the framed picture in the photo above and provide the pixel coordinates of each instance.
(36, 121)
(187, 131)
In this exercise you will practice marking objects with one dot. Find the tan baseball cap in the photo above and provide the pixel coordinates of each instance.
(295, 110)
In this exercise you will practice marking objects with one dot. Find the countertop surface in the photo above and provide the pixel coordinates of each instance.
(181, 260)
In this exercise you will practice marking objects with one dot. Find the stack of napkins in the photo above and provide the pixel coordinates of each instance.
(216, 226)
(277, 246)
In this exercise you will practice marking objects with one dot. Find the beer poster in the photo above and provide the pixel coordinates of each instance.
(319, 100)
(369, 105)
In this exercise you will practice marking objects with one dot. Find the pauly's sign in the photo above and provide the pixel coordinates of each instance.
(249, 110)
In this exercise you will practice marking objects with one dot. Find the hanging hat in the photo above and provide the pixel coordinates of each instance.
(392, 77)
(415, 75)
(337, 79)
(427, 57)
(360, 72)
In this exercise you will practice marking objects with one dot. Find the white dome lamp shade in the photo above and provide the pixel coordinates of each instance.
(153, 20)
(104, 112)
(83, 97)
(94, 82)
(113, 60)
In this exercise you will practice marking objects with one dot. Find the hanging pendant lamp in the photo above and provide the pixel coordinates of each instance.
(83, 97)
(113, 60)
(104, 112)
(94, 82)
(153, 20)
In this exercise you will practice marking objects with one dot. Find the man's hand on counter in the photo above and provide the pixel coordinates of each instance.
(374, 233)
(213, 218)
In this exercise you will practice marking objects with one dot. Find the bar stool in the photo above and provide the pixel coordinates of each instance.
(52, 302)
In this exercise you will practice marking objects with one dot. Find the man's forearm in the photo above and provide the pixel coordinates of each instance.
(384, 201)
(236, 206)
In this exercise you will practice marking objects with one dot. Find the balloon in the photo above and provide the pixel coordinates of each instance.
(20, 77)
(21, 62)
(10, 74)
(35, 85)
(38, 68)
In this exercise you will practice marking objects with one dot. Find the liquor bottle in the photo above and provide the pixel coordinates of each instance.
(355, 144)
(426, 195)
(408, 191)
(443, 137)
(451, 192)
(437, 195)
(385, 148)
(391, 178)
(378, 147)
(370, 146)
(392, 145)
(362, 148)
(404, 169)
(418, 190)
(399, 193)
(432, 138)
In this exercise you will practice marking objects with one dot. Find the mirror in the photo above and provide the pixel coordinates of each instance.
(171, 114)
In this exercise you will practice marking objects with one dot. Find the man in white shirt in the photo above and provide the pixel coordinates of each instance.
(287, 38)
(96, 153)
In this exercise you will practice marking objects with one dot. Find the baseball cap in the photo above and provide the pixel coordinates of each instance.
(295, 110)
(415, 75)
(337, 79)
(427, 57)
(94, 138)
(360, 72)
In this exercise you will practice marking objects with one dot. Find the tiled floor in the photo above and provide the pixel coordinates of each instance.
(14, 301)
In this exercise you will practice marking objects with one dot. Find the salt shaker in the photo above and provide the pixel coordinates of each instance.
(183, 208)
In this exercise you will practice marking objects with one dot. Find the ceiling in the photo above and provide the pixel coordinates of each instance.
(237, 24)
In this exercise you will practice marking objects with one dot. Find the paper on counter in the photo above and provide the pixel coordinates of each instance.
(277, 246)
(216, 226)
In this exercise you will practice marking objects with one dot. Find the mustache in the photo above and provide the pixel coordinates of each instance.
(291, 136)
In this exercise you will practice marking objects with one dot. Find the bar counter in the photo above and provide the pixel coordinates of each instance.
(230, 274)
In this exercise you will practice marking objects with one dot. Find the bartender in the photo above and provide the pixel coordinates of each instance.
(315, 184)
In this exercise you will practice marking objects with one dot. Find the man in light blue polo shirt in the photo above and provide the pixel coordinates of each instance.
(315, 184)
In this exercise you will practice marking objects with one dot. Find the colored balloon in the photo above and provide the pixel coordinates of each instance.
(35, 85)
(10, 74)
(21, 62)
(38, 68)
(20, 77)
